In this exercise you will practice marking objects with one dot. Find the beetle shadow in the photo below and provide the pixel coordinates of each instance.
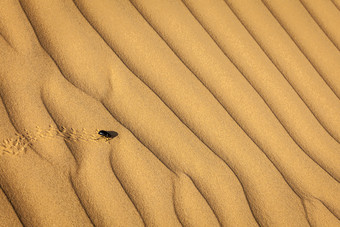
(113, 134)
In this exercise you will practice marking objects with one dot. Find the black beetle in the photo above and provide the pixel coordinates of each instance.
(108, 134)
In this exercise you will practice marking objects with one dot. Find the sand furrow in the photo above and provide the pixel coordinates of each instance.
(190, 203)
(227, 113)
(264, 87)
(8, 214)
(336, 4)
(306, 33)
(328, 22)
(291, 63)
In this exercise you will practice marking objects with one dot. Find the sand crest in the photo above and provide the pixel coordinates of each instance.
(227, 111)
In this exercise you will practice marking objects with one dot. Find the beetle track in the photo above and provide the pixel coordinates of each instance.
(20, 142)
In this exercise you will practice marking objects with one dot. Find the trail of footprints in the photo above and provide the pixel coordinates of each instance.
(20, 142)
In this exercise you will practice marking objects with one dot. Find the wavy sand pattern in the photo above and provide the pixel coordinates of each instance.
(228, 112)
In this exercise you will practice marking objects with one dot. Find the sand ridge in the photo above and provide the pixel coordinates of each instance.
(227, 113)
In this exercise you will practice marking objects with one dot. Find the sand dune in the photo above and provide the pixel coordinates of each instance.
(227, 111)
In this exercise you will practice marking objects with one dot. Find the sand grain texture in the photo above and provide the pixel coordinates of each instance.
(228, 113)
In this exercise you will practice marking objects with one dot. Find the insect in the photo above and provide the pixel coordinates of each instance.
(108, 134)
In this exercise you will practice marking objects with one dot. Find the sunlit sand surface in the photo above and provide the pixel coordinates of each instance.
(227, 113)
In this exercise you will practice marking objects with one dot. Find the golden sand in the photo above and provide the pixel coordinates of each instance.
(227, 111)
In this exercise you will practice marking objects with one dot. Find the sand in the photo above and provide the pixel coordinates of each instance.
(227, 111)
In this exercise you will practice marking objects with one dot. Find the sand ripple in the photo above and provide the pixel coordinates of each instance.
(228, 113)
